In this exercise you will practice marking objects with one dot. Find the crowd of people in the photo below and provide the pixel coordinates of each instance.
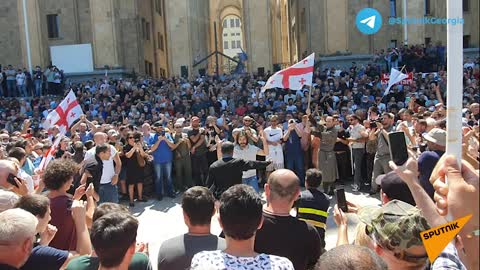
(219, 141)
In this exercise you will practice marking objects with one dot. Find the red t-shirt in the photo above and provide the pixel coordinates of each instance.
(241, 110)
(66, 236)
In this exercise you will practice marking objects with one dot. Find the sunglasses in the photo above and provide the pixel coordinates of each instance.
(130, 137)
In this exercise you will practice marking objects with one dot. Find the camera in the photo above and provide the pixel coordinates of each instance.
(291, 121)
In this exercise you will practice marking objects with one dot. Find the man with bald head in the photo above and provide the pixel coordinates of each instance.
(111, 169)
(282, 234)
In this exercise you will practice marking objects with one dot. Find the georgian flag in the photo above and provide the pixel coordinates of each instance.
(65, 114)
(294, 77)
(50, 153)
(395, 77)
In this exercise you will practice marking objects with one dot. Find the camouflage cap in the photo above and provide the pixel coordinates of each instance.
(397, 225)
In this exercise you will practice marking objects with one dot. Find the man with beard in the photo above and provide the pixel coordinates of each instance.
(382, 157)
(247, 129)
(198, 151)
(249, 152)
(327, 161)
(227, 170)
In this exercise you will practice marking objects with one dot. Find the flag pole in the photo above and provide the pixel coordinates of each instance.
(454, 81)
(309, 96)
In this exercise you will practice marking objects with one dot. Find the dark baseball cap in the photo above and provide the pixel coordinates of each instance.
(394, 187)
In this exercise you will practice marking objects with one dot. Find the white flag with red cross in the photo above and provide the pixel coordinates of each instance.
(50, 154)
(65, 114)
(294, 77)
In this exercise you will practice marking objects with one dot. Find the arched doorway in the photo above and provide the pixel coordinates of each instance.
(232, 40)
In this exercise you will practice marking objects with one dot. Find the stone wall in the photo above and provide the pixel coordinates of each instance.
(11, 50)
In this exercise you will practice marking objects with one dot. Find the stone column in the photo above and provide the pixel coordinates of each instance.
(104, 33)
(258, 34)
(38, 50)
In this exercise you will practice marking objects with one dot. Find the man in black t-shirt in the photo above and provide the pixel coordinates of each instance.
(342, 153)
(282, 234)
(198, 151)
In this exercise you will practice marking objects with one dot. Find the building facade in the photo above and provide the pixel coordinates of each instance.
(171, 37)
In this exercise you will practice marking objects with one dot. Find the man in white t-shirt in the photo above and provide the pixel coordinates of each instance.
(274, 135)
(247, 151)
(358, 135)
(21, 84)
(108, 183)
(240, 218)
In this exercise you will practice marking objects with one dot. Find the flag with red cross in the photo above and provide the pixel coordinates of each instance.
(294, 77)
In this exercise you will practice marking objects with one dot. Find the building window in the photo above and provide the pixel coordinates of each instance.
(143, 28)
(427, 40)
(393, 43)
(465, 5)
(232, 34)
(225, 24)
(466, 41)
(146, 67)
(160, 41)
(233, 44)
(237, 22)
(427, 7)
(239, 45)
(225, 45)
(147, 30)
(232, 23)
(238, 34)
(150, 69)
(225, 34)
(162, 73)
(52, 26)
(393, 8)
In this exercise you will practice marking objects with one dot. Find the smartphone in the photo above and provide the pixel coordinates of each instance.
(341, 200)
(11, 180)
(398, 147)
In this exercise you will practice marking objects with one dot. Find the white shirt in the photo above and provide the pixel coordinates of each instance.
(20, 78)
(355, 133)
(274, 134)
(28, 179)
(217, 259)
(249, 153)
(291, 96)
(108, 169)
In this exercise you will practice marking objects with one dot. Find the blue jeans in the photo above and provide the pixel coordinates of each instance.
(38, 88)
(163, 171)
(108, 193)
(294, 162)
(22, 89)
(251, 181)
(11, 88)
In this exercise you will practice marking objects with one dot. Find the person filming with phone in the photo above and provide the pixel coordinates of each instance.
(382, 156)
(162, 151)
(135, 161)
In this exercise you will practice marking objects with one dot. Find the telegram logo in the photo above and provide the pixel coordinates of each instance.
(368, 21)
